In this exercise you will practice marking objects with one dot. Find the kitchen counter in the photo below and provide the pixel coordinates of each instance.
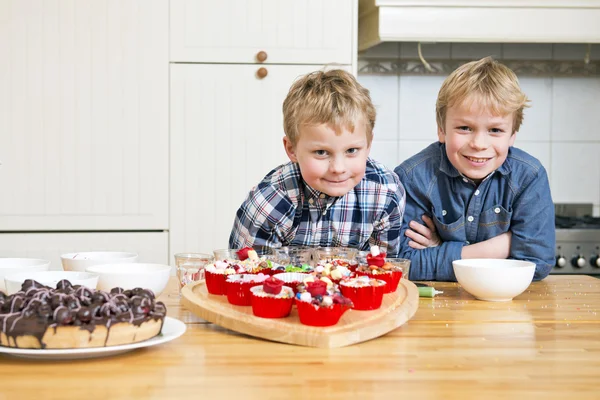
(544, 343)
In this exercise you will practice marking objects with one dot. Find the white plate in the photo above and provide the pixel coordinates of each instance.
(172, 329)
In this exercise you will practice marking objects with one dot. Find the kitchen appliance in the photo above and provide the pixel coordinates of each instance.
(577, 240)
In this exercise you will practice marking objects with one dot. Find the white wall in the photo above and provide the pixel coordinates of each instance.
(561, 129)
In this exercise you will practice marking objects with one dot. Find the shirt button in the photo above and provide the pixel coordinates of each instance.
(470, 219)
(322, 195)
(444, 212)
(465, 180)
(497, 210)
(310, 201)
(477, 192)
(467, 242)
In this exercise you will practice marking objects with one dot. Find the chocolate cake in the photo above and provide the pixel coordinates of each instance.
(68, 316)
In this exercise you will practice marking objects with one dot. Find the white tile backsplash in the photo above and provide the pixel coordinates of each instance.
(561, 128)
(576, 109)
(537, 121)
(417, 107)
(575, 173)
(384, 94)
(385, 152)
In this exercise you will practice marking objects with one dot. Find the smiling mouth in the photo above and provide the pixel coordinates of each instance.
(336, 182)
(476, 159)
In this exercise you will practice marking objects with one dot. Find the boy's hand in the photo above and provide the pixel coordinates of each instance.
(423, 236)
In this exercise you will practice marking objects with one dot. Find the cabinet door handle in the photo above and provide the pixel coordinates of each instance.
(262, 72)
(261, 56)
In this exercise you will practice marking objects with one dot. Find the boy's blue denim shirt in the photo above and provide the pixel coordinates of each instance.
(515, 197)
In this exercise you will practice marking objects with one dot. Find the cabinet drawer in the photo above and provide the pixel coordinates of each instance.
(152, 247)
(288, 32)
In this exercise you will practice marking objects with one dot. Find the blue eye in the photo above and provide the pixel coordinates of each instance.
(320, 152)
(464, 128)
(353, 150)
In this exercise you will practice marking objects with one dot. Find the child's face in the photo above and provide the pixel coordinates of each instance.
(330, 163)
(477, 141)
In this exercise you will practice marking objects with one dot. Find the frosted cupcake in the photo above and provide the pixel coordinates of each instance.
(272, 299)
(216, 275)
(365, 293)
(319, 303)
(378, 268)
(336, 270)
(250, 263)
(238, 287)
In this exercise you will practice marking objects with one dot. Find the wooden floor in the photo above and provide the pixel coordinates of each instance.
(544, 344)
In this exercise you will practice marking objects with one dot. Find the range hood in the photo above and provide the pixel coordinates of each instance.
(501, 21)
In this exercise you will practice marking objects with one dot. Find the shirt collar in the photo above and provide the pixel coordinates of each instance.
(311, 193)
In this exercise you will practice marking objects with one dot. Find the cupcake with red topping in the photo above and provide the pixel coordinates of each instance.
(378, 268)
(365, 293)
(319, 302)
(292, 279)
(272, 299)
(238, 287)
(250, 263)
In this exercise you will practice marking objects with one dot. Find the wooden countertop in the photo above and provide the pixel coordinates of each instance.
(544, 343)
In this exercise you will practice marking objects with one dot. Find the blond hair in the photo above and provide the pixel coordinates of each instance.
(331, 97)
(487, 81)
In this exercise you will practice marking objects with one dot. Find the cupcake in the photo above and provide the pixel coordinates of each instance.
(250, 263)
(291, 279)
(319, 303)
(336, 270)
(378, 268)
(216, 275)
(238, 287)
(272, 299)
(365, 293)
(343, 256)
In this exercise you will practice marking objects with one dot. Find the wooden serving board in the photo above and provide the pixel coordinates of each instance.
(354, 326)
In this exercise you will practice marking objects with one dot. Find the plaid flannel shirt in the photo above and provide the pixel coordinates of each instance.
(284, 211)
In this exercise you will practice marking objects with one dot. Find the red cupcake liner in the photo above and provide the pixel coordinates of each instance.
(238, 293)
(319, 316)
(216, 283)
(271, 307)
(366, 297)
(391, 279)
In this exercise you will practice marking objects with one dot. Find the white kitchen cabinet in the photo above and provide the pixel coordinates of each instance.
(287, 31)
(226, 135)
(151, 247)
(84, 115)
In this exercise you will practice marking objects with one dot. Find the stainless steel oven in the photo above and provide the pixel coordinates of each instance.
(577, 240)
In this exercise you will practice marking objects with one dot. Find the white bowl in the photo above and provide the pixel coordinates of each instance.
(80, 261)
(132, 275)
(10, 266)
(494, 279)
(50, 278)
